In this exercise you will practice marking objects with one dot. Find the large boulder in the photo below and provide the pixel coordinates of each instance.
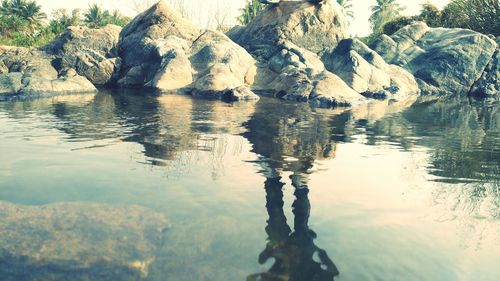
(29, 72)
(489, 83)
(91, 52)
(367, 73)
(164, 51)
(139, 39)
(78, 241)
(445, 62)
(314, 27)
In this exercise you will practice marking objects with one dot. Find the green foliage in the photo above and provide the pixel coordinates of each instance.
(383, 12)
(96, 17)
(250, 11)
(430, 14)
(478, 15)
(347, 6)
(25, 10)
(395, 25)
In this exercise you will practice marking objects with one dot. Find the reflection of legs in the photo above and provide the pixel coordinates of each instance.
(277, 227)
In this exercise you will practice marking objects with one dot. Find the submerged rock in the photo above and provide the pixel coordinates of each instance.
(91, 52)
(29, 72)
(78, 241)
(445, 62)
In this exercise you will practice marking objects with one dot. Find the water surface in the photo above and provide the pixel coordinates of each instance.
(274, 190)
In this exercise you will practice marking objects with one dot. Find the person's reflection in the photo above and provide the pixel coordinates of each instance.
(296, 257)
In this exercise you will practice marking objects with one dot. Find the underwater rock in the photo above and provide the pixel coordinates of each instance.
(78, 241)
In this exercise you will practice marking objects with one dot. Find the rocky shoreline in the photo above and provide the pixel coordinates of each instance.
(295, 51)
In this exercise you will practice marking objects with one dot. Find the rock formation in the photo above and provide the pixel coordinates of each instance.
(445, 62)
(162, 50)
(91, 52)
(29, 72)
(296, 46)
(295, 51)
(78, 241)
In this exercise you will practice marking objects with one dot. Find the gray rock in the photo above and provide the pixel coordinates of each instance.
(309, 26)
(78, 241)
(91, 52)
(138, 45)
(31, 74)
(489, 83)
(162, 50)
(445, 62)
(367, 73)
(220, 64)
(10, 83)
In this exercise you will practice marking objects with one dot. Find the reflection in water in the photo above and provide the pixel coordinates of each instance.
(296, 257)
(457, 143)
(290, 138)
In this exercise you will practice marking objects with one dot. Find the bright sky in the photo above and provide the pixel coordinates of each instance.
(201, 10)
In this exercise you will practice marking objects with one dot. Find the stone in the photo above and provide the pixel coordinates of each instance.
(175, 72)
(313, 27)
(78, 241)
(31, 74)
(91, 52)
(220, 64)
(138, 44)
(445, 62)
(10, 83)
(367, 73)
(489, 83)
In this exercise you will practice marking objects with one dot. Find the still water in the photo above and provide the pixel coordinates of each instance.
(272, 190)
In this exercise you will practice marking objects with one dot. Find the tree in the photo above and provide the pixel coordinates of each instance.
(430, 14)
(28, 11)
(32, 13)
(383, 12)
(347, 6)
(95, 16)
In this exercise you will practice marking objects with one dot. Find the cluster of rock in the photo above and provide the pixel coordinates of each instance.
(78, 241)
(295, 51)
(445, 62)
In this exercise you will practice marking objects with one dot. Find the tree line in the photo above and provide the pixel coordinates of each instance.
(478, 15)
(23, 23)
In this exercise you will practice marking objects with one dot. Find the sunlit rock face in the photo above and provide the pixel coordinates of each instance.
(286, 39)
(489, 83)
(445, 62)
(162, 50)
(367, 73)
(29, 72)
(91, 52)
(314, 27)
(78, 241)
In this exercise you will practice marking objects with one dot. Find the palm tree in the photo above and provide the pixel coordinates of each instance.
(95, 16)
(32, 13)
(347, 6)
(384, 11)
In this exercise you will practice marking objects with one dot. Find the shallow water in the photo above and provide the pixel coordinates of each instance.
(378, 193)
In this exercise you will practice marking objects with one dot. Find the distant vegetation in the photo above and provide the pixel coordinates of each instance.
(22, 22)
(479, 15)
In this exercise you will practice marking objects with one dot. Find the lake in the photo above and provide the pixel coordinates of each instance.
(273, 190)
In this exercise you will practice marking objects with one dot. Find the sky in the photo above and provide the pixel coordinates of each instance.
(202, 11)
